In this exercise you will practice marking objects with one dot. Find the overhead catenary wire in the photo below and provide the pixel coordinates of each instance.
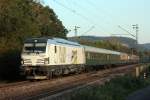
(82, 16)
(92, 4)
(91, 28)
(93, 13)
(126, 31)
(75, 12)
(97, 11)
(105, 12)
(102, 18)
(84, 9)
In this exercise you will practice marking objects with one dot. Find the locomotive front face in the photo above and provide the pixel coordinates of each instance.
(34, 53)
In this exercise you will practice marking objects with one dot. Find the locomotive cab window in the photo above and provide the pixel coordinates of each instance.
(34, 47)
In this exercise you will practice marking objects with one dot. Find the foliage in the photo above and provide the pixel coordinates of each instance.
(20, 19)
(116, 89)
(9, 69)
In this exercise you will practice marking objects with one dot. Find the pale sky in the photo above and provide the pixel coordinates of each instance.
(102, 17)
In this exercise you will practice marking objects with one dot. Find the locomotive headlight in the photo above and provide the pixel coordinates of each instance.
(46, 60)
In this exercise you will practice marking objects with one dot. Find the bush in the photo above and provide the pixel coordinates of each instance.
(10, 62)
(117, 89)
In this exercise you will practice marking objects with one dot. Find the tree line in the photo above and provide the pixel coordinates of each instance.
(107, 44)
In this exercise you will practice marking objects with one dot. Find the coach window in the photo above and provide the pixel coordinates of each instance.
(55, 49)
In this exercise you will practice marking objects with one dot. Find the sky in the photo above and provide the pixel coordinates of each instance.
(102, 17)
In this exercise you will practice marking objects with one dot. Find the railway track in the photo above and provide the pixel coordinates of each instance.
(13, 84)
(94, 78)
(46, 88)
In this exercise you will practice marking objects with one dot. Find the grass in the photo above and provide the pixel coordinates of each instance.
(116, 89)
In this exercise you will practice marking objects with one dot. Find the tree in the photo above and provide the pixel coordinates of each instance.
(20, 19)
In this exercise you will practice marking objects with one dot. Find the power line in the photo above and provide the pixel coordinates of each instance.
(82, 16)
(135, 36)
(91, 28)
(93, 18)
(96, 9)
(126, 31)
(96, 17)
(105, 13)
(91, 13)
(90, 3)
(73, 11)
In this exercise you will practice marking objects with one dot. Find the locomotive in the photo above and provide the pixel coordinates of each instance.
(43, 58)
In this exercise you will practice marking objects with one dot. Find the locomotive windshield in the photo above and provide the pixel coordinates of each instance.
(34, 47)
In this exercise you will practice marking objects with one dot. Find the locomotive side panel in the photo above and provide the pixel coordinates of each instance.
(63, 54)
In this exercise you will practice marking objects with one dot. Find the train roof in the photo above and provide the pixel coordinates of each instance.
(100, 50)
(55, 41)
(63, 41)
